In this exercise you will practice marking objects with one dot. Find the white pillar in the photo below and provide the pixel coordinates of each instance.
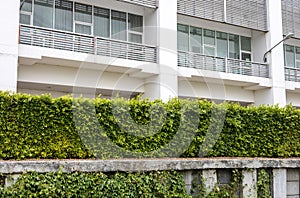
(187, 176)
(9, 35)
(276, 94)
(279, 183)
(210, 179)
(165, 85)
(249, 183)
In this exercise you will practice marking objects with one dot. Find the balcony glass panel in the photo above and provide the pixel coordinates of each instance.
(135, 23)
(209, 37)
(64, 15)
(135, 38)
(27, 6)
(222, 44)
(234, 46)
(183, 37)
(83, 29)
(118, 23)
(25, 19)
(101, 22)
(43, 13)
(289, 56)
(83, 13)
(196, 39)
(246, 43)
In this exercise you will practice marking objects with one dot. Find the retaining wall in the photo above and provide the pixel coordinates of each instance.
(284, 173)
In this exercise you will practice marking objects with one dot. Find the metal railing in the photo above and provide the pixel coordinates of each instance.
(74, 42)
(292, 74)
(146, 3)
(228, 65)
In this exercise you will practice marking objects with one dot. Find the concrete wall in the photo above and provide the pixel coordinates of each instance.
(208, 171)
(9, 20)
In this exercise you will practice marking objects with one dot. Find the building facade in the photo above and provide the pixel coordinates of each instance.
(159, 48)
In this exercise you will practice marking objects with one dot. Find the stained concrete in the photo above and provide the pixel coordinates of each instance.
(135, 165)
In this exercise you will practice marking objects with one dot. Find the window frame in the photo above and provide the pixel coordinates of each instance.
(215, 46)
(91, 25)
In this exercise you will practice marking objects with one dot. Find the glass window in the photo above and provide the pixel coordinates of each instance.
(196, 39)
(289, 56)
(222, 44)
(246, 43)
(83, 29)
(64, 15)
(135, 23)
(43, 13)
(101, 22)
(25, 19)
(27, 6)
(209, 37)
(136, 38)
(234, 46)
(246, 56)
(183, 37)
(83, 13)
(118, 25)
(297, 57)
(209, 51)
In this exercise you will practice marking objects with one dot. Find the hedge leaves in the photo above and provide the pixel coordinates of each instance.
(45, 127)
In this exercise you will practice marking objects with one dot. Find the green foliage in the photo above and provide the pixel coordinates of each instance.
(232, 190)
(45, 127)
(58, 184)
(264, 182)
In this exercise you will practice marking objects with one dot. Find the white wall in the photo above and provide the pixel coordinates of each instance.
(293, 98)
(68, 76)
(214, 91)
(9, 20)
(164, 85)
(258, 45)
(277, 94)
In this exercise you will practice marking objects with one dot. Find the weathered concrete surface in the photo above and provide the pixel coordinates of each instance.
(249, 183)
(134, 165)
(210, 179)
(279, 183)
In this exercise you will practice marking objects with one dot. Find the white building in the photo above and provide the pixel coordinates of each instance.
(162, 48)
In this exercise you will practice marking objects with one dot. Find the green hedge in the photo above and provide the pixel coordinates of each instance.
(149, 184)
(45, 127)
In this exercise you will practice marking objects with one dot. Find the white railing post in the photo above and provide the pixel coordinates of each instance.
(226, 65)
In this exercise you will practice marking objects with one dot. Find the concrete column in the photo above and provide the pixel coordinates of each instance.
(9, 35)
(187, 176)
(210, 179)
(279, 183)
(249, 183)
(293, 182)
(165, 85)
(277, 93)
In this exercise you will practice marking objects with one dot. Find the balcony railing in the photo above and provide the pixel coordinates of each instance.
(292, 74)
(228, 65)
(146, 3)
(69, 41)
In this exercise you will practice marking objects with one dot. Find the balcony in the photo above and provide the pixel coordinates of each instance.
(62, 40)
(292, 74)
(146, 3)
(227, 65)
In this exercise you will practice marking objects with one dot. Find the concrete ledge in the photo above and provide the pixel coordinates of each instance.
(134, 165)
